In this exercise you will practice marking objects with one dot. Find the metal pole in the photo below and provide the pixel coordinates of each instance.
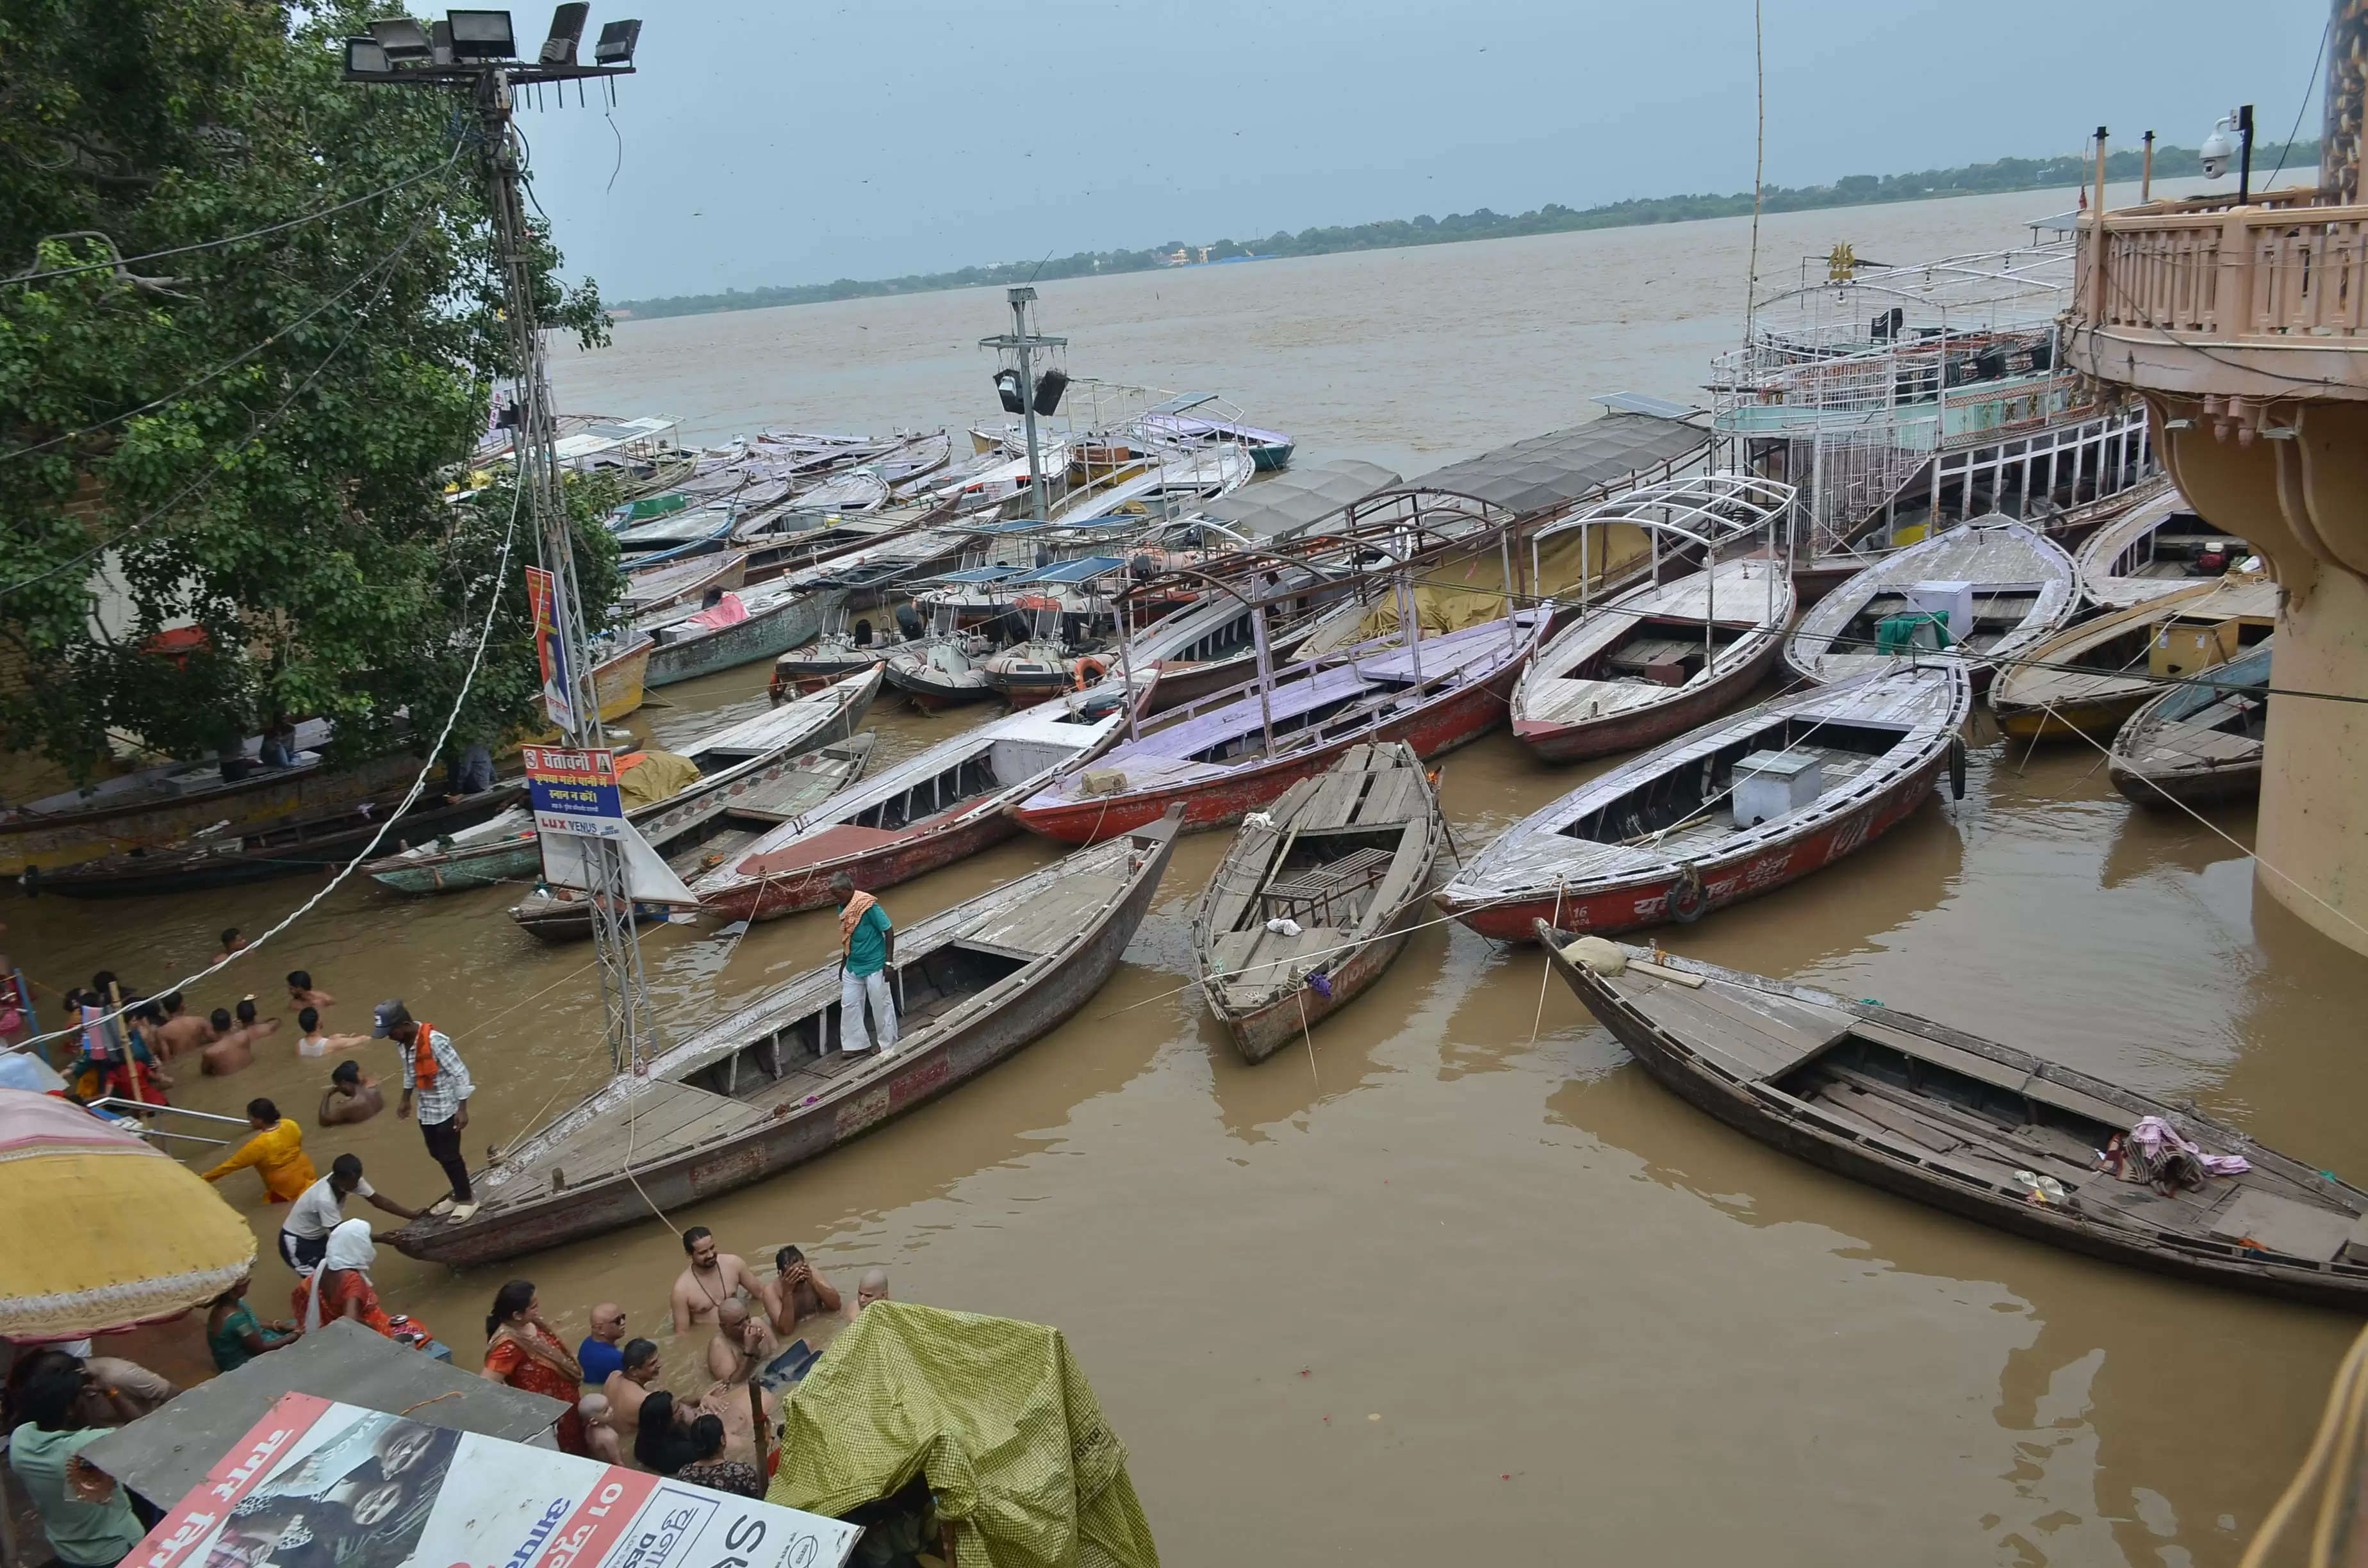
(2245, 154)
(1265, 672)
(2146, 173)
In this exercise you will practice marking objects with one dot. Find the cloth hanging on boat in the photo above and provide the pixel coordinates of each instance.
(645, 778)
(725, 611)
(2154, 1137)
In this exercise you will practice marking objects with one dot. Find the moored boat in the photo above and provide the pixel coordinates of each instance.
(2090, 678)
(2158, 548)
(767, 1087)
(619, 679)
(1314, 897)
(1981, 593)
(655, 587)
(938, 673)
(1982, 1130)
(738, 631)
(2199, 744)
(1738, 808)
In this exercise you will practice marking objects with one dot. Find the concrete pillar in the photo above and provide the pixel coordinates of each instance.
(2347, 88)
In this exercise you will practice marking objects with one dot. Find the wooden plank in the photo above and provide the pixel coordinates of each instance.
(1042, 924)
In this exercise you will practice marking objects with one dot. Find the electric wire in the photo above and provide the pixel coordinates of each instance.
(2300, 109)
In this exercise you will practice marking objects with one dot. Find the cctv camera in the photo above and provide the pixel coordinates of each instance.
(2218, 149)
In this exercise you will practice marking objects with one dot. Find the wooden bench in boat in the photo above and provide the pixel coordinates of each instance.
(1326, 895)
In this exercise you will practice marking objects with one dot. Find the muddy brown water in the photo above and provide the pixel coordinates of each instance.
(1587, 1317)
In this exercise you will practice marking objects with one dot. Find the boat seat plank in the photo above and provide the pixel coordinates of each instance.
(1041, 925)
(661, 1120)
(2065, 1098)
(1747, 1051)
(2284, 1225)
(1943, 1055)
(1807, 1029)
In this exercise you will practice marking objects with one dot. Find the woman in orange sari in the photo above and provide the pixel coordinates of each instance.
(520, 1350)
(341, 1287)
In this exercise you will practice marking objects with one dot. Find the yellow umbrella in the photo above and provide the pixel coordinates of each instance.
(104, 1231)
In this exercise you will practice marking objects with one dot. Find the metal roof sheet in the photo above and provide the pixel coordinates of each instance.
(1075, 570)
(1553, 470)
(1298, 497)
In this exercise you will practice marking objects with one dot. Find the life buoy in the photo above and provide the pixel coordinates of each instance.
(1957, 767)
(1686, 900)
(1088, 672)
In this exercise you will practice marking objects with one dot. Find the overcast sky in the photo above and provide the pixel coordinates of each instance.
(799, 142)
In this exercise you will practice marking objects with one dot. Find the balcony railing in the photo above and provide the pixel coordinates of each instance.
(2249, 274)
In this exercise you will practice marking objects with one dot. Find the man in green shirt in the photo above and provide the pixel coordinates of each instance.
(87, 1516)
(866, 941)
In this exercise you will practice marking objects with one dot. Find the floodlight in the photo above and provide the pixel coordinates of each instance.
(1007, 391)
(440, 40)
(483, 35)
(566, 32)
(404, 41)
(618, 41)
(364, 57)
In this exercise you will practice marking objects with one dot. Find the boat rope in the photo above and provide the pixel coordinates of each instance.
(2246, 851)
(1537, 1020)
(476, 662)
(1308, 1035)
(2339, 1428)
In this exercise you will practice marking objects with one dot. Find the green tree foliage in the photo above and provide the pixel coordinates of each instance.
(1852, 190)
(256, 439)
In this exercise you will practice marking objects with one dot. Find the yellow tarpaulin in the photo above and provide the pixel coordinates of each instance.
(1469, 590)
(645, 777)
(997, 1415)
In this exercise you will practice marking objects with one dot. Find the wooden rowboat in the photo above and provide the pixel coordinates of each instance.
(2090, 678)
(780, 616)
(1979, 1129)
(1654, 662)
(681, 582)
(619, 680)
(2023, 592)
(2151, 551)
(1347, 859)
(1738, 808)
(2201, 744)
(765, 1088)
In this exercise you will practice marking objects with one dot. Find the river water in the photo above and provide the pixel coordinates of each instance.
(1460, 1275)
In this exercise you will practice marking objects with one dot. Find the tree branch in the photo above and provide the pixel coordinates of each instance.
(123, 274)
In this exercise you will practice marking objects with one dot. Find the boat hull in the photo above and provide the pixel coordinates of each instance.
(765, 635)
(1648, 726)
(935, 697)
(1258, 1035)
(922, 851)
(2097, 716)
(516, 862)
(2168, 792)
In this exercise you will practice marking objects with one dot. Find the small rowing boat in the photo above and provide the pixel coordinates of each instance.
(738, 631)
(2090, 678)
(767, 1087)
(2158, 548)
(1739, 807)
(1654, 662)
(2201, 744)
(1983, 591)
(1982, 1130)
(1313, 900)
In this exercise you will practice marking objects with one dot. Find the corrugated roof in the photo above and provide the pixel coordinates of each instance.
(1296, 499)
(1075, 570)
(1553, 470)
(980, 574)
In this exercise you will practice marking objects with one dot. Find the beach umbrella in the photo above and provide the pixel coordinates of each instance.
(104, 1231)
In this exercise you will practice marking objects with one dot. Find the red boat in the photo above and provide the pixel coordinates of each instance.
(1228, 755)
(1732, 811)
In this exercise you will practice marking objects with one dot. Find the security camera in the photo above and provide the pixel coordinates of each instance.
(2219, 147)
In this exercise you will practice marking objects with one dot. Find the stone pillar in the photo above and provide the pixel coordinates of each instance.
(2347, 88)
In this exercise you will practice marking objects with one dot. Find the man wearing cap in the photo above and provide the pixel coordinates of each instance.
(436, 1078)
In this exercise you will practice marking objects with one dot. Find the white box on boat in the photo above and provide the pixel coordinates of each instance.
(1769, 784)
(1955, 600)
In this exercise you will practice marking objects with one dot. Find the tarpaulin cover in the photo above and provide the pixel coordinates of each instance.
(993, 1411)
(645, 777)
(1467, 590)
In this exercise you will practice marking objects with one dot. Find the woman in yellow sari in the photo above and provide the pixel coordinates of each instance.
(277, 1152)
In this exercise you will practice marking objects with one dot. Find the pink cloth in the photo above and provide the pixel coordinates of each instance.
(2153, 1133)
(725, 611)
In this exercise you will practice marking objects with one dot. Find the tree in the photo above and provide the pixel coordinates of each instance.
(256, 439)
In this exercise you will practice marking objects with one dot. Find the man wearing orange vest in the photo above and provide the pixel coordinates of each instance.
(435, 1076)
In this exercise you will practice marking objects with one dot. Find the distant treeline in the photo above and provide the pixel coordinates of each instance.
(1852, 190)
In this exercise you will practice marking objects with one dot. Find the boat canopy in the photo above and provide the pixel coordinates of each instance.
(1547, 473)
(1077, 570)
(980, 574)
(1298, 499)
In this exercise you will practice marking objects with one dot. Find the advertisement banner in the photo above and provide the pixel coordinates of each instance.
(574, 791)
(317, 1485)
(542, 597)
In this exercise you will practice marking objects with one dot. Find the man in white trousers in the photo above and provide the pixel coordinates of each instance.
(867, 943)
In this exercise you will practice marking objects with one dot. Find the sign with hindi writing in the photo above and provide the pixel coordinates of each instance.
(574, 791)
(318, 1484)
(551, 648)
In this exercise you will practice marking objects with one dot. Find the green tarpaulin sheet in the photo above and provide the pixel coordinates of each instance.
(997, 1414)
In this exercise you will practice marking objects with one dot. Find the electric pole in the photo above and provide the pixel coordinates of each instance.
(1021, 343)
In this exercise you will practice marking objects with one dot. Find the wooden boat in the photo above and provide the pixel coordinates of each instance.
(749, 755)
(764, 1088)
(683, 582)
(2022, 592)
(1345, 857)
(1213, 757)
(1654, 662)
(2198, 745)
(2160, 548)
(905, 467)
(927, 812)
(2090, 678)
(780, 615)
(1741, 806)
(1966, 1124)
(697, 833)
(279, 849)
(619, 679)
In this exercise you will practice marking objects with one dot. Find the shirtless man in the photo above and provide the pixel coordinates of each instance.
(728, 1400)
(351, 1097)
(743, 1345)
(600, 1433)
(302, 995)
(183, 1030)
(712, 1278)
(233, 1046)
(872, 1287)
(796, 1293)
(627, 1386)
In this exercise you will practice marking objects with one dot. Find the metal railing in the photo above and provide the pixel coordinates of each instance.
(2251, 274)
(148, 1110)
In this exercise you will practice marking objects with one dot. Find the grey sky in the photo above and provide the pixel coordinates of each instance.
(798, 143)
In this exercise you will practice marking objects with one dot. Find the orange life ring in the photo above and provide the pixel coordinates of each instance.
(1078, 671)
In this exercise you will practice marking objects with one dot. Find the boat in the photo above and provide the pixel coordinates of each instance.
(687, 581)
(927, 812)
(1341, 863)
(1654, 661)
(695, 833)
(1739, 807)
(1164, 485)
(765, 1088)
(2090, 679)
(1981, 1130)
(773, 618)
(277, 850)
(919, 458)
(2200, 744)
(856, 490)
(1268, 450)
(702, 531)
(1240, 749)
(2151, 551)
(736, 759)
(1981, 593)
(939, 673)
(621, 678)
